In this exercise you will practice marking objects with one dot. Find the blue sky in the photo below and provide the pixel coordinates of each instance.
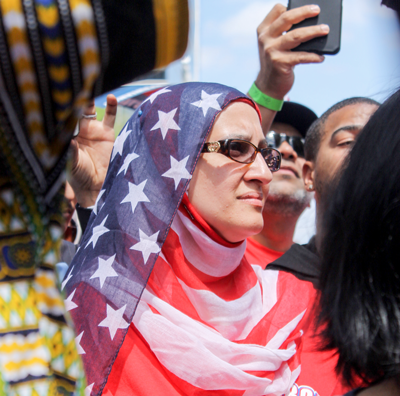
(367, 65)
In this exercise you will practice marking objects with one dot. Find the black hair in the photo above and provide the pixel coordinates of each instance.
(314, 133)
(360, 278)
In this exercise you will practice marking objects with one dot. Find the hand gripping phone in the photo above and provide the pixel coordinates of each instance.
(331, 15)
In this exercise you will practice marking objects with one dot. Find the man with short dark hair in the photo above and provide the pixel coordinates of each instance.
(328, 142)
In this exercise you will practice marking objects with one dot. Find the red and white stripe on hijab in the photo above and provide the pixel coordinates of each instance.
(212, 323)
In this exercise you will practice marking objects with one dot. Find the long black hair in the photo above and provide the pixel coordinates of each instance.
(360, 280)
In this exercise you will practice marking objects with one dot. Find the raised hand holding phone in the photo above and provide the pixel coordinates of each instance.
(275, 43)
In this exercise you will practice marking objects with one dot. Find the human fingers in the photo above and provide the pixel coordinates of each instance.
(111, 111)
(90, 109)
(297, 36)
(291, 17)
(274, 14)
(296, 58)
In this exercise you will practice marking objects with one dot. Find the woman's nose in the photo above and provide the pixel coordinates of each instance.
(259, 170)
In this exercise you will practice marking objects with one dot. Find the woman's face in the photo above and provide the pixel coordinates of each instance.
(230, 196)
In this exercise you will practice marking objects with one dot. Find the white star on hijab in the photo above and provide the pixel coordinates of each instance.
(96, 205)
(79, 348)
(153, 97)
(98, 231)
(105, 270)
(66, 280)
(119, 142)
(135, 195)
(208, 101)
(147, 245)
(178, 170)
(69, 304)
(166, 122)
(114, 320)
(128, 159)
(88, 389)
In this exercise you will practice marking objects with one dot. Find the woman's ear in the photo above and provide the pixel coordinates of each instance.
(308, 175)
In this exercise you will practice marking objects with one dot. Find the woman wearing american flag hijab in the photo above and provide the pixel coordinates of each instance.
(163, 300)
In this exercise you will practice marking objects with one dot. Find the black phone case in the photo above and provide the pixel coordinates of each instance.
(331, 14)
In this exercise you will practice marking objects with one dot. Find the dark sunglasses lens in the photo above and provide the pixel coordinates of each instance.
(273, 139)
(298, 146)
(273, 159)
(241, 151)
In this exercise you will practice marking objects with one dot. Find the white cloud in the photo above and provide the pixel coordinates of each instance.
(357, 14)
(216, 57)
(241, 27)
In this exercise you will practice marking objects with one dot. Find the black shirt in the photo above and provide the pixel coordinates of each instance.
(300, 260)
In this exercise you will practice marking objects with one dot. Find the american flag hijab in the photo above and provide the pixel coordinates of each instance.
(151, 165)
(237, 334)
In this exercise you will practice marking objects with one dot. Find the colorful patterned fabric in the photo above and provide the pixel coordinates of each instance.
(38, 355)
(53, 55)
(151, 165)
(45, 78)
(47, 75)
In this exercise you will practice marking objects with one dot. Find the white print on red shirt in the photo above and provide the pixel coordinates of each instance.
(302, 391)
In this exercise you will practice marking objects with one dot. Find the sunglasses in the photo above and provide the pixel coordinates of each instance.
(275, 139)
(244, 152)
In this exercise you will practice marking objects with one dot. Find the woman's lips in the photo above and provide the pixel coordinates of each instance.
(254, 199)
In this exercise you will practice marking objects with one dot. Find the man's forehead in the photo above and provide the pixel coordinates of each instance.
(354, 115)
(281, 127)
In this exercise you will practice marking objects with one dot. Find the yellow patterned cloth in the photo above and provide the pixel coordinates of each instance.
(49, 62)
(54, 55)
(38, 354)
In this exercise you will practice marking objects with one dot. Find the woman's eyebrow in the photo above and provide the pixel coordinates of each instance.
(263, 143)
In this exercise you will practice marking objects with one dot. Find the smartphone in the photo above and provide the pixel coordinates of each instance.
(331, 15)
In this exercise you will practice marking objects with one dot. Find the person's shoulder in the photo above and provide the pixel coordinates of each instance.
(301, 261)
(259, 254)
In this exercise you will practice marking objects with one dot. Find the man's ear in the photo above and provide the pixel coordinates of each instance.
(308, 175)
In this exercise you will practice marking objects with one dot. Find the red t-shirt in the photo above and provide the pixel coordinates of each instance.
(259, 254)
(318, 376)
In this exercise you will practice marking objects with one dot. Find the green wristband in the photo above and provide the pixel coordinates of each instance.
(265, 100)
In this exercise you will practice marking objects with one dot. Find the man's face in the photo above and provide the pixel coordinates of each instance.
(286, 192)
(339, 134)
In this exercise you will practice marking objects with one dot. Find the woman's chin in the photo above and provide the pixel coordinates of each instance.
(240, 232)
(255, 229)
